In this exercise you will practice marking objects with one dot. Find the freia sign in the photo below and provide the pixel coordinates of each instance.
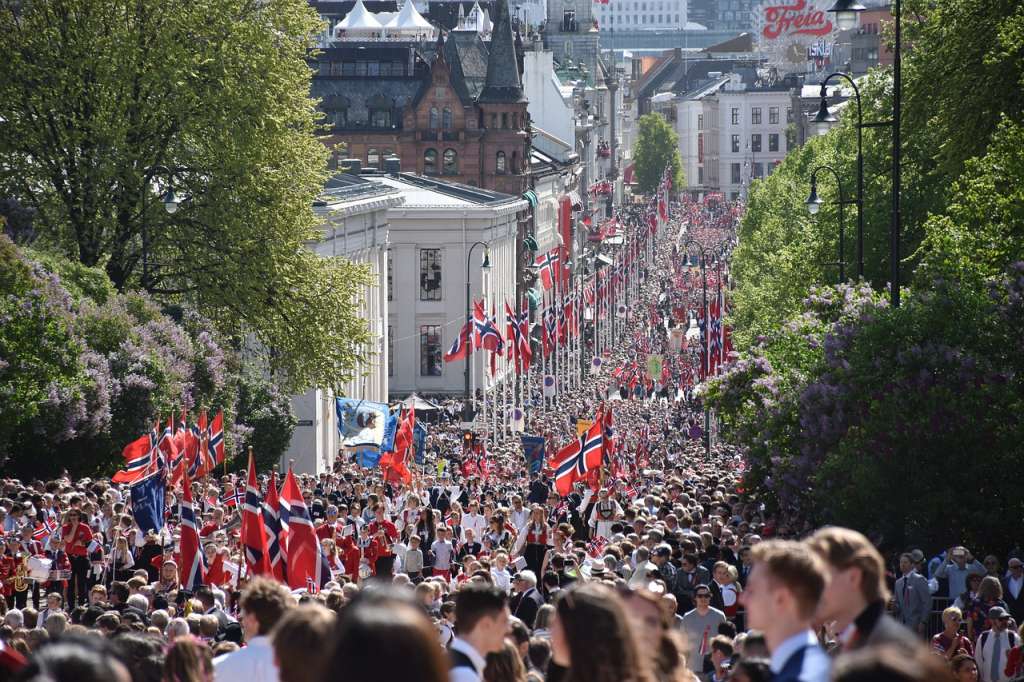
(798, 18)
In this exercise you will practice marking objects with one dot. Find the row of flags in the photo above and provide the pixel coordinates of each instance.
(200, 445)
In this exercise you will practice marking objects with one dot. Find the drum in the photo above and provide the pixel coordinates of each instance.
(39, 568)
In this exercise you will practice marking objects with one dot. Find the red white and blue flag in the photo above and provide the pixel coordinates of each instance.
(139, 456)
(254, 535)
(275, 530)
(307, 564)
(485, 330)
(461, 345)
(549, 267)
(574, 461)
(191, 570)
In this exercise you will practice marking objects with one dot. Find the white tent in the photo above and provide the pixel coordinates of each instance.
(409, 23)
(360, 23)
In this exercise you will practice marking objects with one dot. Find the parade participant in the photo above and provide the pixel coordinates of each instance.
(605, 513)
(443, 552)
(76, 536)
(263, 603)
(386, 535)
(533, 543)
(481, 621)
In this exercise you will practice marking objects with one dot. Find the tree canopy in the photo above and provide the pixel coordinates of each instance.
(657, 146)
(107, 103)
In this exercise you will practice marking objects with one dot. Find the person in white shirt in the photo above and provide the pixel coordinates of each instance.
(499, 572)
(781, 596)
(518, 514)
(473, 520)
(605, 513)
(994, 646)
(482, 620)
(262, 604)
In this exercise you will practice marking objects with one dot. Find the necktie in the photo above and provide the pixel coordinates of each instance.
(997, 655)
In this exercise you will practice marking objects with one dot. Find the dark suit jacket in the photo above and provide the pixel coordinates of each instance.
(1014, 606)
(683, 588)
(883, 630)
(524, 606)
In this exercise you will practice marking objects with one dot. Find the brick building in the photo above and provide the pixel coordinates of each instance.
(450, 106)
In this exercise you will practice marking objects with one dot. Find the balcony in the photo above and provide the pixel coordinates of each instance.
(429, 135)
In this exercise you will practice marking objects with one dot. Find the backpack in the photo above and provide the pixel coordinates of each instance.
(1013, 638)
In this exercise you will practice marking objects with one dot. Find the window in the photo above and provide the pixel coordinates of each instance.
(430, 350)
(499, 166)
(430, 162)
(735, 144)
(773, 142)
(446, 119)
(372, 158)
(504, 119)
(451, 162)
(735, 116)
(700, 175)
(514, 167)
(430, 274)
(391, 275)
(755, 142)
(755, 116)
(736, 174)
(789, 115)
(758, 170)
(391, 351)
(700, 121)
(435, 119)
(773, 114)
(380, 111)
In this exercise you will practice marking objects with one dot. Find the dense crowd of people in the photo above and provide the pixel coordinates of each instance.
(662, 569)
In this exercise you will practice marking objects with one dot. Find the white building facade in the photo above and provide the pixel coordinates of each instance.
(632, 15)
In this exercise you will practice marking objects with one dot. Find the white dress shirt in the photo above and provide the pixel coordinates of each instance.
(251, 663)
(816, 662)
(466, 674)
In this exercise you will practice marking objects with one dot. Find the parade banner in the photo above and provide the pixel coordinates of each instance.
(595, 365)
(361, 422)
(654, 365)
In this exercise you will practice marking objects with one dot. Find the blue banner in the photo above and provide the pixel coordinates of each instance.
(533, 450)
(367, 456)
(387, 443)
(148, 496)
(419, 439)
(361, 422)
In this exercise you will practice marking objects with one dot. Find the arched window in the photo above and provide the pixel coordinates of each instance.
(430, 162)
(499, 166)
(446, 119)
(515, 162)
(434, 119)
(372, 158)
(451, 162)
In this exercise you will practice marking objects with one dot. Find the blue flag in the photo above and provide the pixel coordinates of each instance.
(533, 449)
(367, 456)
(387, 444)
(419, 439)
(148, 501)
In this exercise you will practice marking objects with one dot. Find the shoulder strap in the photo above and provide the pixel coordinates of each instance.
(457, 659)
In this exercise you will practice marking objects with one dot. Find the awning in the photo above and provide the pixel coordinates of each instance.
(531, 197)
(574, 199)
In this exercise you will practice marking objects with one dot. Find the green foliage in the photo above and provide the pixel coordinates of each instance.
(657, 146)
(270, 420)
(982, 231)
(102, 98)
(80, 280)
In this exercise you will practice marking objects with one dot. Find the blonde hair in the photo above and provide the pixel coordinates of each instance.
(843, 548)
(794, 566)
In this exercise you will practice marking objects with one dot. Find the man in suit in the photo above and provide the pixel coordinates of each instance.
(1013, 589)
(856, 592)
(205, 596)
(913, 600)
(783, 589)
(527, 599)
(689, 575)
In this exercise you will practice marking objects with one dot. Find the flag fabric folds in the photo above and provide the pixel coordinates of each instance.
(138, 456)
(275, 531)
(148, 495)
(573, 462)
(191, 571)
(254, 536)
(306, 563)
(460, 346)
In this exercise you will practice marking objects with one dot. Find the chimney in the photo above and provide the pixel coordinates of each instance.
(393, 165)
(351, 166)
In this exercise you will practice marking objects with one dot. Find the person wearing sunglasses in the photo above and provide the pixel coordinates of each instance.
(700, 625)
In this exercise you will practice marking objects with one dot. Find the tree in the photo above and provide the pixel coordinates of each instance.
(107, 103)
(657, 146)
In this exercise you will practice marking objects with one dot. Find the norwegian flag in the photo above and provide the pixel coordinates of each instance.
(275, 530)
(596, 546)
(254, 533)
(549, 267)
(486, 334)
(549, 332)
(515, 336)
(236, 498)
(197, 465)
(574, 461)
(191, 571)
(44, 530)
(607, 419)
(139, 457)
(306, 560)
(461, 345)
(215, 441)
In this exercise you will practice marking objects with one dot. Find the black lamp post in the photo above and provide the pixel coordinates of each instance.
(846, 12)
(467, 410)
(814, 204)
(171, 202)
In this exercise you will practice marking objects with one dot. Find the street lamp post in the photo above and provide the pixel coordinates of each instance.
(467, 410)
(814, 204)
(171, 202)
(846, 12)
(823, 121)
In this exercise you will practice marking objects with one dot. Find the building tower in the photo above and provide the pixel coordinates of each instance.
(505, 152)
(570, 34)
